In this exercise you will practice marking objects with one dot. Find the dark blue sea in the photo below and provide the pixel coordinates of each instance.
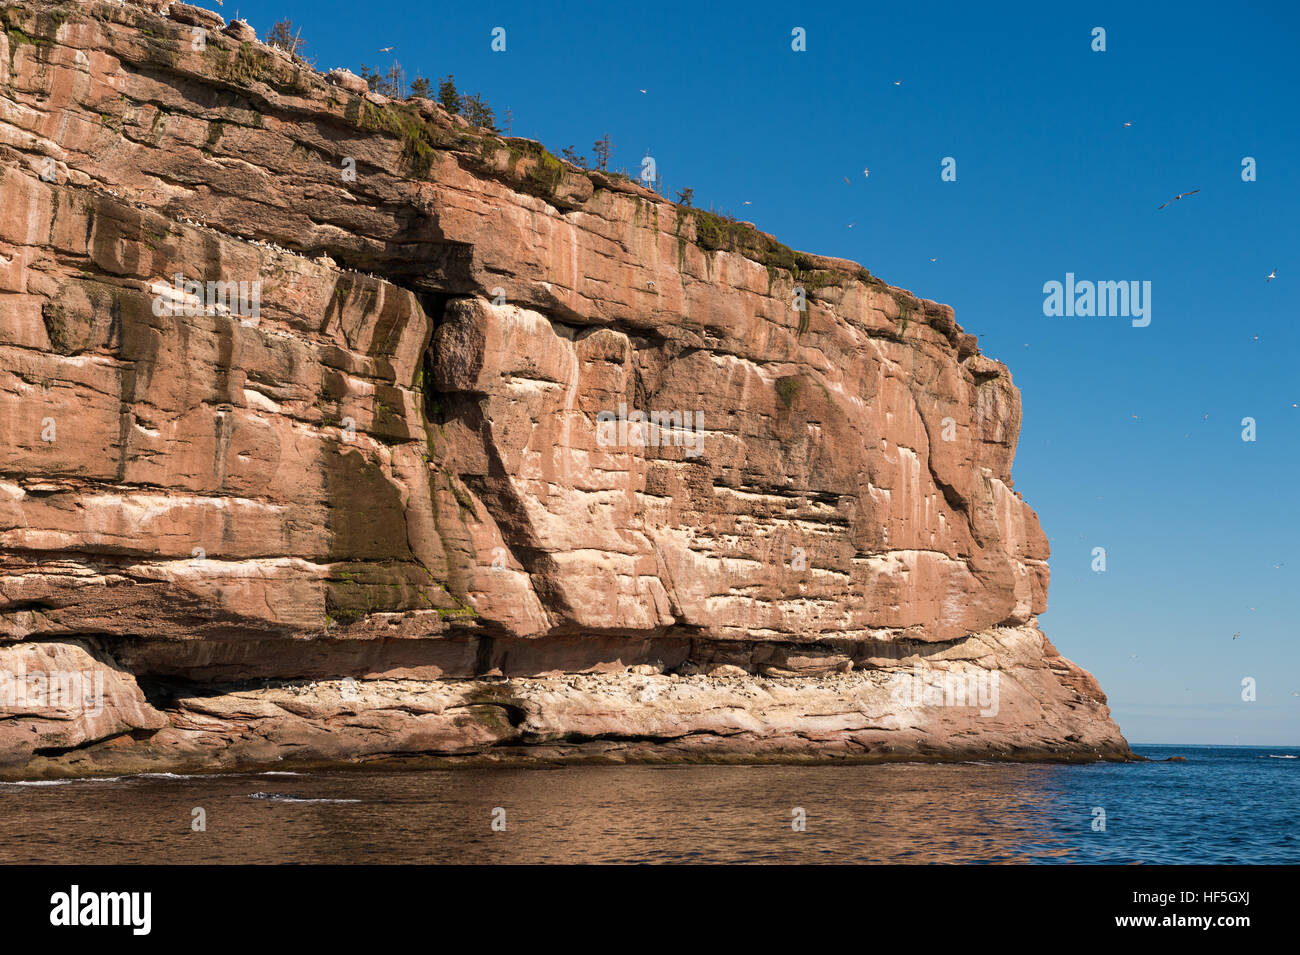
(1234, 805)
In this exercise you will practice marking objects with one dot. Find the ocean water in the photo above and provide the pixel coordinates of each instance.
(1231, 805)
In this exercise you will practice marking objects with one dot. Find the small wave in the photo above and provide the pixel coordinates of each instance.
(272, 772)
(1273, 756)
(139, 776)
(112, 779)
(63, 782)
(284, 798)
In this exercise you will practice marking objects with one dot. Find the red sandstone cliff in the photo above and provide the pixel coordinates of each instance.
(381, 517)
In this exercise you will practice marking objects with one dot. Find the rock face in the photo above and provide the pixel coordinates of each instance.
(332, 428)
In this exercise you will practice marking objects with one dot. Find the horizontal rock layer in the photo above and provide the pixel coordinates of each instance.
(393, 498)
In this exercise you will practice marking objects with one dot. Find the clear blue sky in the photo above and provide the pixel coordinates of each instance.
(1049, 181)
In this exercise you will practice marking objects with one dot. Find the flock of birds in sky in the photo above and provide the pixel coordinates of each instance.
(866, 173)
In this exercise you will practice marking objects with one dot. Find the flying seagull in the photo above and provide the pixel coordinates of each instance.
(643, 91)
(1271, 276)
(1236, 635)
(1181, 195)
(846, 181)
(898, 82)
(866, 172)
(1126, 125)
(749, 202)
(388, 49)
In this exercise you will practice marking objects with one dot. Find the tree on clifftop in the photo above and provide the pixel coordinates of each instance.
(478, 112)
(572, 156)
(447, 95)
(394, 82)
(603, 148)
(283, 36)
